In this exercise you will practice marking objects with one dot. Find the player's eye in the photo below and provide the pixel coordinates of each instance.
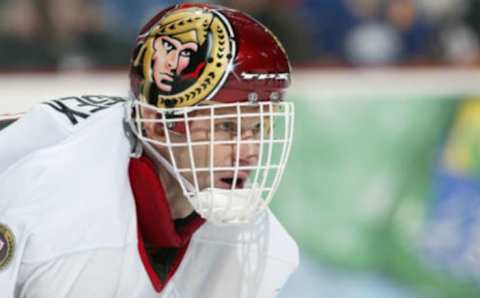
(226, 127)
(257, 129)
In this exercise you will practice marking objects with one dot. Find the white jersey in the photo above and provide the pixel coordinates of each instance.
(68, 225)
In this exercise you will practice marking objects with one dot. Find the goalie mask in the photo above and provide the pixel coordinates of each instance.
(208, 85)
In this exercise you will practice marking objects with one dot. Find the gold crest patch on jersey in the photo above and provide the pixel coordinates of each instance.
(7, 246)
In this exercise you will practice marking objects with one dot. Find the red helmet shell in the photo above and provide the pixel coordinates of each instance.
(249, 64)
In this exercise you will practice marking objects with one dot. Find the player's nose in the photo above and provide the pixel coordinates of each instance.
(248, 150)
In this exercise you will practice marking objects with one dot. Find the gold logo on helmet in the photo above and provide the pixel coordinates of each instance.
(185, 57)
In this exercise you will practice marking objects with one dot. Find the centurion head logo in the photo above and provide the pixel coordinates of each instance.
(185, 57)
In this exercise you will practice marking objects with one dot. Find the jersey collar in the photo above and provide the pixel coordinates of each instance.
(155, 225)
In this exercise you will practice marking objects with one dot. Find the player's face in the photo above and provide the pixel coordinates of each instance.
(170, 59)
(218, 155)
(222, 155)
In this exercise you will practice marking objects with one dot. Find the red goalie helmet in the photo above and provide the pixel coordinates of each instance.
(208, 84)
(190, 53)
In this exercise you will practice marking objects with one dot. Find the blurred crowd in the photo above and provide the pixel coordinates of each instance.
(81, 34)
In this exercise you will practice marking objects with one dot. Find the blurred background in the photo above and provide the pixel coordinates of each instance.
(383, 187)
(81, 34)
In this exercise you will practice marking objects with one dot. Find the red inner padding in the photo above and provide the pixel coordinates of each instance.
(155, 224)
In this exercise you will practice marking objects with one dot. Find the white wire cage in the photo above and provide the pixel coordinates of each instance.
(227, 158)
